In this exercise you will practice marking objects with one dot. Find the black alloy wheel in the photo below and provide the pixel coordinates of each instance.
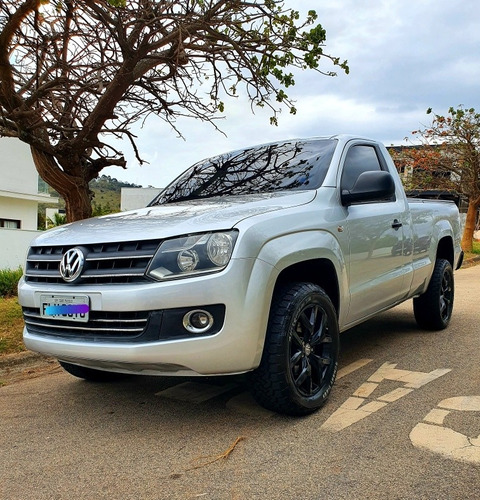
(310, 350)
(433, 309)
(446, 297)
(300, 356)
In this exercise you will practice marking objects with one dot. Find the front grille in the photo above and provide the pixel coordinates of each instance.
(102, 325)
(124, 262)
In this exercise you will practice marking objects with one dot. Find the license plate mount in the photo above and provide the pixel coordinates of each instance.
(65, 307)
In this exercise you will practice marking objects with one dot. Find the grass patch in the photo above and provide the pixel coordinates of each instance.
(475, 251)
(11, 326)
(9, 281)
(476, 247)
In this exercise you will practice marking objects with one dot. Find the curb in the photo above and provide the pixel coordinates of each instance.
(21, 358)
(471, 260)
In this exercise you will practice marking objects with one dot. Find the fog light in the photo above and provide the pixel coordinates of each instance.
(198, 321)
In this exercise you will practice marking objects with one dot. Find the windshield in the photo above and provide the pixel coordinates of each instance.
(289, 165)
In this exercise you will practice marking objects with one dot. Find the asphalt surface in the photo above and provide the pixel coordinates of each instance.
(384, 433)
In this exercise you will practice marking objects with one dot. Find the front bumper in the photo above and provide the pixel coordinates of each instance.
(244, 288)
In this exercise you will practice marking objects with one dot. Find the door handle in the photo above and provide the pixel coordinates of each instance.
(396, 224)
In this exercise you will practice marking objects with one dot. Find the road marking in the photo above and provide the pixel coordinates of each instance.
(465, 403)
(412, 380)
(365, 390)
(346, 370)
(435, 437)
(195, 392)
(395, 395)
(436, 416)
(357, 407)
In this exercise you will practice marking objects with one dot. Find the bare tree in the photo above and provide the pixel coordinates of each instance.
(76, 74)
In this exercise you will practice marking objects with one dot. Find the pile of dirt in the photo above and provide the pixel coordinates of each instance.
(25, 365)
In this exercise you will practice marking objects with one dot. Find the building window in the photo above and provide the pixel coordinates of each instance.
(10, 223)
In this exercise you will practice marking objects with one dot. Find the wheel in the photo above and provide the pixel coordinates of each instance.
(433, 309)
(300, 356)
(91, 374)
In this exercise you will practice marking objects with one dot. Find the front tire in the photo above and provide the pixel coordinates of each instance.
(433, 309)
(300, 356)
(91, 374)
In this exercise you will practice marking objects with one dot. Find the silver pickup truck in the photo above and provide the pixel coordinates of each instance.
(252, 261)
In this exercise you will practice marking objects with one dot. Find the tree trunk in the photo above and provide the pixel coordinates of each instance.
(467, 239)
(74, 190)
(78, 203)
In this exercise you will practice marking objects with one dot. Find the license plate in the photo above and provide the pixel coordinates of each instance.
(65, 307)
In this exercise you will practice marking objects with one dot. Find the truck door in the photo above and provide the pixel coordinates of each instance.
(378, 259)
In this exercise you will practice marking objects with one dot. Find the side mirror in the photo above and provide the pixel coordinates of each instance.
(376, 185)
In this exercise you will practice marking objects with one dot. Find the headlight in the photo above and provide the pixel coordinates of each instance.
(192, 255)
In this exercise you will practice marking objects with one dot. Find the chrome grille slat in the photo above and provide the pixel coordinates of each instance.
(101, 324)
(123, 320)
(97, 273)
(43, 274)
(45, 258)
(91, 329)
(118, 256)
(36, 316)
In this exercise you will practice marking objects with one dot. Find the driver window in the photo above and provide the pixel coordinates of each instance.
(359, 159)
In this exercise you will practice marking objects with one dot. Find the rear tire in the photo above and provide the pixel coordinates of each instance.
(433, 309)
(300, 355)
(91, 374)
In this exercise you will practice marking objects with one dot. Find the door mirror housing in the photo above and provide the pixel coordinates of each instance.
(371, 186)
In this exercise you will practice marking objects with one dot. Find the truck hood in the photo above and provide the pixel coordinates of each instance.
(170, 220)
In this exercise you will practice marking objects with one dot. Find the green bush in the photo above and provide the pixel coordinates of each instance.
(9, 281)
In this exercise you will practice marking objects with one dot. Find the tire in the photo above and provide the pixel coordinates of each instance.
(91, 374)
(433, 309)
(300, 356)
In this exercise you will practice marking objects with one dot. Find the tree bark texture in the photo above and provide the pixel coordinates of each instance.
(467, 239)
(74, 190)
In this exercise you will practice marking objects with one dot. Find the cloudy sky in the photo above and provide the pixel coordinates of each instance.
(404, 57)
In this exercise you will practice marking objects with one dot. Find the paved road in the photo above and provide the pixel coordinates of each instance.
(403, 422)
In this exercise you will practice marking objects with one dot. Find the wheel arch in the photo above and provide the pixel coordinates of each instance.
(445, 250)
(305, 256)
(321, 272)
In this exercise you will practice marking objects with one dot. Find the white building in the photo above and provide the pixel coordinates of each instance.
(19, 199)
(133, 198)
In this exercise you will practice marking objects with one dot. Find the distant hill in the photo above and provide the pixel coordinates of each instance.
(107, 192)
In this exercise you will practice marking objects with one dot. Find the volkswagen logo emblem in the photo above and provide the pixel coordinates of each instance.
(71, 265)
